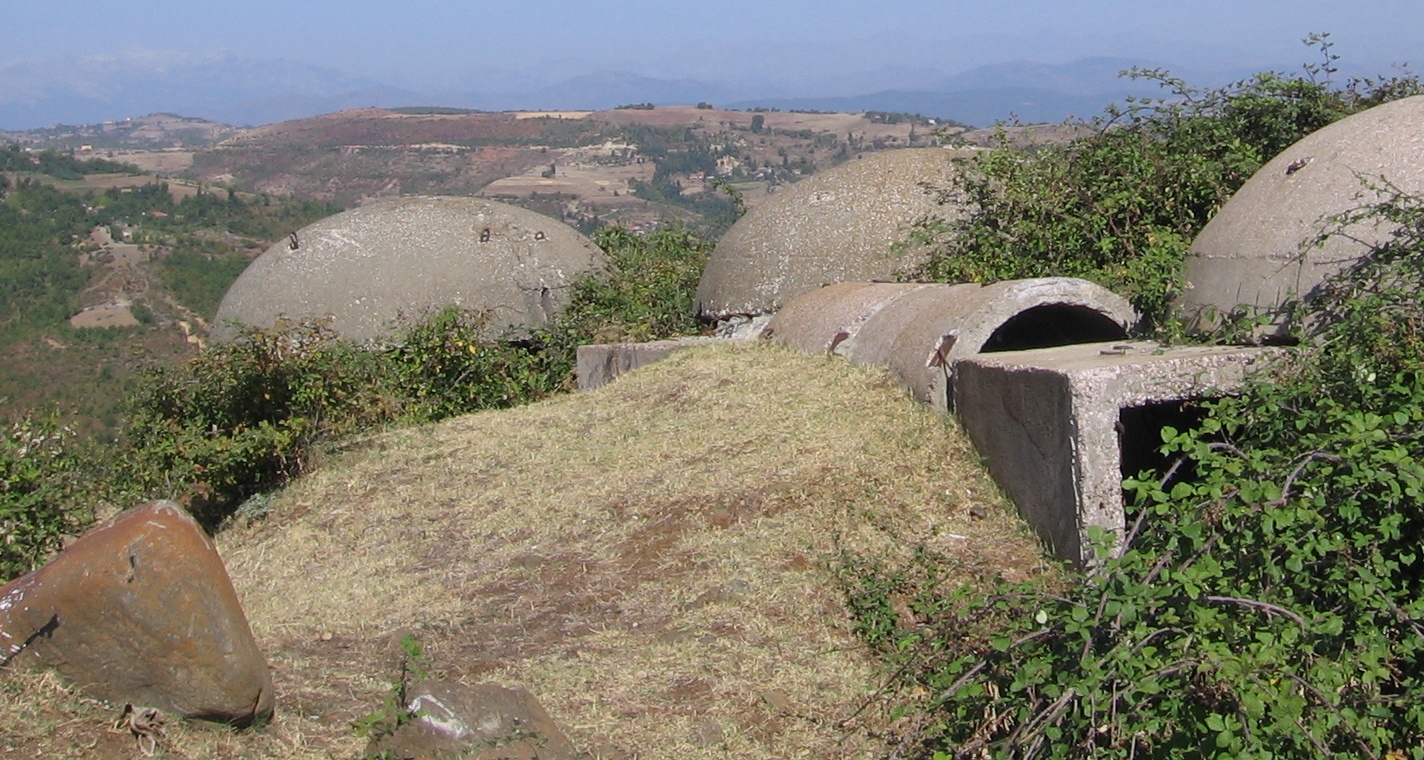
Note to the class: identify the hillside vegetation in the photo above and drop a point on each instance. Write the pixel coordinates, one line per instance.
(155, 259)
(624, 166)
(247, 416)
(1267, 601)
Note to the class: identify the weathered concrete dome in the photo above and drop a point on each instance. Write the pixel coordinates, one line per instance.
(835, 226)
(1256, 251)
(396, 260)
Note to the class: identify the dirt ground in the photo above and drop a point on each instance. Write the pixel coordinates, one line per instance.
(834, 123)
(178, 188)
(108, 315)
(553, 114)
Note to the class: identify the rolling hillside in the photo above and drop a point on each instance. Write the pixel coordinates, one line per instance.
(549, 546)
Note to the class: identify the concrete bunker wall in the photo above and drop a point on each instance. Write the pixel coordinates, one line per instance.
(1059, 426)
(1258, 251)
(918, 330)
(839, 225)
(1057, 401)
(599, 364)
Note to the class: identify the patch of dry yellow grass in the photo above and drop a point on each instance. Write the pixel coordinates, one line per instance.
(42, 717)
(654, 560)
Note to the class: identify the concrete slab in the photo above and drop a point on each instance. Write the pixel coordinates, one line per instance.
(600, 363)
(1051, 422)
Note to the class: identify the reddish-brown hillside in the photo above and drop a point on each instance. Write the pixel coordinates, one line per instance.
(373, 126)
(634, 166)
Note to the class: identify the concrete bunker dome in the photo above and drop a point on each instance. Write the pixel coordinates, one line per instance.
(372, 267)
(1256, 252)
(839, 225)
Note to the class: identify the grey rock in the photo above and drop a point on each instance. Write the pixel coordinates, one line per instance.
(483, 722)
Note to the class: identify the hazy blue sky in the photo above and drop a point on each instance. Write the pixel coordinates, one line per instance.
(429, 42)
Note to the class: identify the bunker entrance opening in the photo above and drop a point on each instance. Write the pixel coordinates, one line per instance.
(1139, 437)
(1052, 325)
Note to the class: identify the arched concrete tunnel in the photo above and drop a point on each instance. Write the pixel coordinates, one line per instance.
(918, 330)
(1053, 324)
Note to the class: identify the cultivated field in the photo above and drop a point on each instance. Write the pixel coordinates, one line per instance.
(156, 161)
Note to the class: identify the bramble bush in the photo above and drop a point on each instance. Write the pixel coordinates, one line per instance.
(447, 365)
(246, 416)
(647, 290)
(1271, 605)
(38, 482)
(243, 416)
(1121, 206)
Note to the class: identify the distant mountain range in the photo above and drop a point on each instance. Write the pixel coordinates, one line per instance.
(1022, 90)
(605, 90)
(235, 90)
(220, 88)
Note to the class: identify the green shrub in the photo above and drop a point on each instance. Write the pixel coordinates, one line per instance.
(1121, 206)
(200, 281)
(39, 504)
(1270, 605)
(445, 365)
(246, 416)
(647, 291)
(143, 313)
(242, 417)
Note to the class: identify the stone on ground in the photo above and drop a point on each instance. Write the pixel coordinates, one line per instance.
(140, 610)
(482, 722)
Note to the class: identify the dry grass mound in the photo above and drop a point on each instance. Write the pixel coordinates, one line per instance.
(654, 560)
